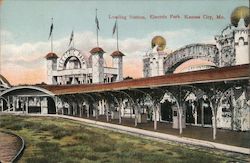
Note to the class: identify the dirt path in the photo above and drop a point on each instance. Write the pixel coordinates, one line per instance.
(9, 146)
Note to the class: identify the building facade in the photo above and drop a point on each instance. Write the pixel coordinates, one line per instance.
(75, 68)
(231, 48)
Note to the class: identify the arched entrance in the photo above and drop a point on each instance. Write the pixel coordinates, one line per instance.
(166, 111)
(51, 106)
(204, 112)
(28, 99)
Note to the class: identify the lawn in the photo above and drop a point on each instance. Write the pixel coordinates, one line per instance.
(59, 140)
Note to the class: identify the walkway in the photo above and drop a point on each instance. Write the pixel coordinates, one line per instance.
(10, 146)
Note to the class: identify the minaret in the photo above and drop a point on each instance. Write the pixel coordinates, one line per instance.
(240, 19)
(51, 66)
(117, 62)
(97, 65)
(153, 61)
(241, 38)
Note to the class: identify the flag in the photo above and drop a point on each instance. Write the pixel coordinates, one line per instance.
(114, 28)
(51, 29)
(71, 37)
(97, 23)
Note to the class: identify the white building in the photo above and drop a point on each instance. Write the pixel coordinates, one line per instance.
(232, 48)
(75, 68)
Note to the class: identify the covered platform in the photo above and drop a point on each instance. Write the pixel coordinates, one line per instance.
(217, 98)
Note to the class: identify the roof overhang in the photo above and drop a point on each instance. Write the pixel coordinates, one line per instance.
(27, 91)
(240, 72)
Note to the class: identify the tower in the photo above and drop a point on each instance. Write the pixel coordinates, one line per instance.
(51, 66)
(153, 60)
(241, 39)
(97, 65)
(240, 18)
(117, 62)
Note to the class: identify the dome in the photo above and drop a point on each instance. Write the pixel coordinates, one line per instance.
(117, 54)
(51, 55)
(97, 50)
(241, 12)
(160, 41)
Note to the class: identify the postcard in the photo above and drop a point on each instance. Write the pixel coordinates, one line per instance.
(124, 81)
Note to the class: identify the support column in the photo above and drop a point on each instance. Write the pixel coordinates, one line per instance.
(202, 114)
(80, 109)
(14, 103)
(196, 116)
(96, 110)
(155, 110)
(136, 115)
(107, 111)
(87, 110)
(27, 105)
(120, 113)
(8, 104)
(1, 104)
(56, 103)
(180, 119)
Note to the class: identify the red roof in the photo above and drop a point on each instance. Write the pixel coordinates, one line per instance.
(51, 55)
(203, 76)
(96, 50)
(117, 54)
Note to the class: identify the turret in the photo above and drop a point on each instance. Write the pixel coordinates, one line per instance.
(51, 66)
(241, 43)
(97, 65)
(153, 61)
(117, 62)
(240, 18)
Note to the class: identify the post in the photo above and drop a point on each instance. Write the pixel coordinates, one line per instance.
(195, 118)
(14, 103)
(202, 114)
(120, 113)
(136, 112)
(80, 108)
(87, 110)
(96, 111)
(180, 119)
(107, 111)
(8, 104)
(155, 120)
(27, 105)
(56, 103)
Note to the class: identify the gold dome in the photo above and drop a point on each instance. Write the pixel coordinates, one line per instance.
(160, 41)
(238, 13)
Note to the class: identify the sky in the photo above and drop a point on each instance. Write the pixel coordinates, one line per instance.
(25, 25)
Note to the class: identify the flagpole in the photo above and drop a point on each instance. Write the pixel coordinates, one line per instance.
(73, 45)
(117, 35)
(97, 42)
(51, 39)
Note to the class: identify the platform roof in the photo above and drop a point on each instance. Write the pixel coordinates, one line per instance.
(239, 72)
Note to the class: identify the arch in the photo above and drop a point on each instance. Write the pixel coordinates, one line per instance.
(241, 41)
(207, 52)
(193, 65)
(72, 52)
(67, 61)
(13, 89)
